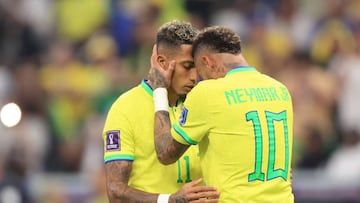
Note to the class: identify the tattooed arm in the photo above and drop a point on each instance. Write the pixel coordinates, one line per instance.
(168, 150)
(117, 176)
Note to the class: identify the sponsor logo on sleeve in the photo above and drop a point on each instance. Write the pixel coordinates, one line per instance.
(112, 140)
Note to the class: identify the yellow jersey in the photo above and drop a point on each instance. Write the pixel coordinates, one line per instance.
(243, 124)
(129, 135)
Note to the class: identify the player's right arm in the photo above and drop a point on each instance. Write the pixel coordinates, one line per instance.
(119, 157)
(117, 176)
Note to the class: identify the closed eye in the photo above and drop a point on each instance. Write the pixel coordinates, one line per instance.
(188, 64)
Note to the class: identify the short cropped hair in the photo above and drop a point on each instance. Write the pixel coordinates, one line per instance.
(176, 33)
(217, 39)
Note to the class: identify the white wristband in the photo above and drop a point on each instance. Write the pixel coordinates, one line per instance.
(163, 198)
(161, 102)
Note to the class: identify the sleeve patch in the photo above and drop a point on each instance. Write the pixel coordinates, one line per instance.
(113, 140)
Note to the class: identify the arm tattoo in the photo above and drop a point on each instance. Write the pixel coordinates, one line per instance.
(168, 150)
(117, 177)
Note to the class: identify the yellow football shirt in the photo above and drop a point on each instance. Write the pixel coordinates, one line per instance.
(129, 135)
(243, 124)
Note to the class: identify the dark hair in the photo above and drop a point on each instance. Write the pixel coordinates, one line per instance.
(176, 33)
(217, 39)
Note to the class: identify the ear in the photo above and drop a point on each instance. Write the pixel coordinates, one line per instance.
(162, 60)
(208, 61)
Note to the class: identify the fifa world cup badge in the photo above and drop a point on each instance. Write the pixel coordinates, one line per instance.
(112, 140)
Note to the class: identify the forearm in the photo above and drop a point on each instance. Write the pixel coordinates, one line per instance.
(117, 177)
(125, 194)
(168, 150)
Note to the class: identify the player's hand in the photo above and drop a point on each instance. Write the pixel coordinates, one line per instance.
(194, 193)
(160, 77)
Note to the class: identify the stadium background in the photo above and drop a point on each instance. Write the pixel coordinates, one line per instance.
(63, 62)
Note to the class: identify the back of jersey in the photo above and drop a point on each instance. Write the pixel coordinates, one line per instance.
(245, 137)
(251, 136)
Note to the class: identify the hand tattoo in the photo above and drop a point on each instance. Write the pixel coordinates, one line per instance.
(158, 78)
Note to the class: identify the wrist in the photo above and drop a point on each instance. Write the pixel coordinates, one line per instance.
(163, 198)
(161, 102)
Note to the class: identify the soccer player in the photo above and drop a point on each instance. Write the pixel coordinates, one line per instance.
(241, 119)
(133, 172)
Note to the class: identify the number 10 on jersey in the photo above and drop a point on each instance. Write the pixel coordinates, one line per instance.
(271, 173)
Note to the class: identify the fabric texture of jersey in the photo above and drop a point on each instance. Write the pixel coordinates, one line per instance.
(243, 124)
(129, 135)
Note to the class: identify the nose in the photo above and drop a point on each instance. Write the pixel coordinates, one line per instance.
(194, 76)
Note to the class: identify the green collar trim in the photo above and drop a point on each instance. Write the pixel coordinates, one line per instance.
(147, 87)
(241, 69)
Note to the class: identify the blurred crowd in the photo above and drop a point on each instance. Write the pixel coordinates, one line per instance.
(65, 61)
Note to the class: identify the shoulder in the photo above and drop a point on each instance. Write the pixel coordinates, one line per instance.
(204, 85)
(132, 95)
(128, 99)
(273, 80)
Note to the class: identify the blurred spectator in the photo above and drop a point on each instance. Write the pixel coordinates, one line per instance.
(314, 94)
(39, 16)
(276, 50)
(53, 192)
(92, 158)
(70, 86)
(332, 32)
(345, 66)
(240, 15)
(253, 46)
(170, 9)
(6, 141)
(13, 187)
(28, 92)
(6, 85)
(315, 155)
(102, 53)
(292, 19)
(344, 164)
(31, 134)
(17, 39)
(122, 24)
(77, 20)
(98, 188)
(144, 35)
(199, 11)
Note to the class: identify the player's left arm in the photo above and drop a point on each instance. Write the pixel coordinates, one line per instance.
(168, 150)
